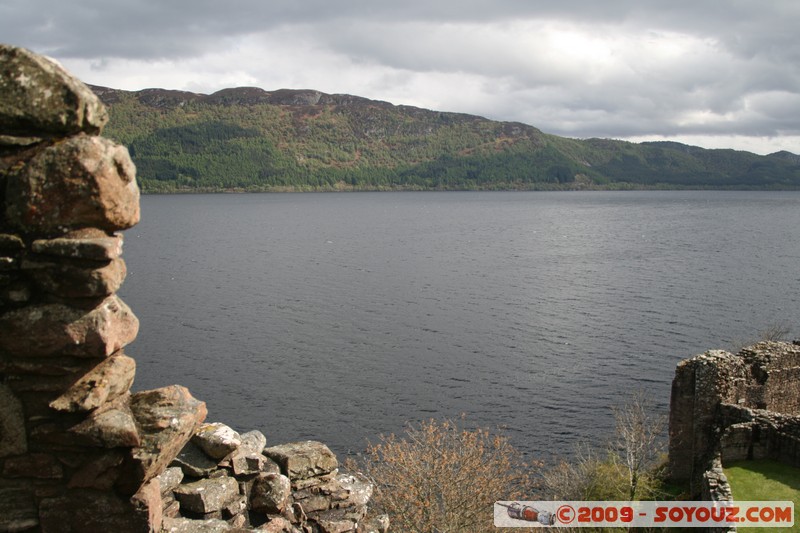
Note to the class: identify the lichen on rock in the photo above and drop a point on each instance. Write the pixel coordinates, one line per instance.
(78, 451)
(80, 182)
(40, 98)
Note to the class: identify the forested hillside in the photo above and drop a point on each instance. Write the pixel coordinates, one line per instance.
(250, 139)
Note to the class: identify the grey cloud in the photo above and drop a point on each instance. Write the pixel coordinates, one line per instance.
(740, 73)
(140, 28)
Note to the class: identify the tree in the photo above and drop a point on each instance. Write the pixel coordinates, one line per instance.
(638, 440)
(625, 469)
(442, 478)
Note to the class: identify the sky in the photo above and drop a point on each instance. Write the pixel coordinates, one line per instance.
(712, 73)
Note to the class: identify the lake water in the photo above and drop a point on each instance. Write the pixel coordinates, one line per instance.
(337, 317)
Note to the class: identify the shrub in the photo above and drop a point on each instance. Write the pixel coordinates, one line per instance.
(775, 332)
(778, 331)
(443, 478)
(628, 468)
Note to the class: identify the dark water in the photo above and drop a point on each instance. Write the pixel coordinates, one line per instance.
(341, 316)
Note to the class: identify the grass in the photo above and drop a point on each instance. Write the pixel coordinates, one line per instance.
(765, 480)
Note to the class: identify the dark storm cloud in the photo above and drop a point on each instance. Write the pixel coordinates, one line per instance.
(573, 67)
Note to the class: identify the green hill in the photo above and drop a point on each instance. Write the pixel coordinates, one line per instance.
(251, 139)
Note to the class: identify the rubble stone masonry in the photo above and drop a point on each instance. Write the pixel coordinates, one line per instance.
(727, 407)
(78, 451)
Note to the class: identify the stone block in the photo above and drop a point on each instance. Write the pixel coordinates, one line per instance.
(13, 440)
(39, 98)
(108, 380)
(9, 264)
(340, 492)
(335, 521)
(277, 525)
(303, 460)
(80, 182)
(238, 521)
(194, 462)
(244, 464)
(312, 482)
(186, 525)
(111, 426)
(169, 479)
(11, 243)
(253, 442)
(15, 293)
(217, 440)
(17, 510)
(147, 503)
(313, 502)
(41, 366)
(246, 486)
(77, 281)
(271, 493)
(171, 509)
(50, 385)
(207, 495)
(52, 329)
(92, 511)
(91, 244)
(99, 471)
(354, 491)
(33, 466)
(378, 524)
(167, 418)
(53, 434)
(235, 507)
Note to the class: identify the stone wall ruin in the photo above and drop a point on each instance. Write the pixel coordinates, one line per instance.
(727, 407)
(78, 451)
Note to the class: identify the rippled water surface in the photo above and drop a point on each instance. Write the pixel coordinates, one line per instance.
(338, 317)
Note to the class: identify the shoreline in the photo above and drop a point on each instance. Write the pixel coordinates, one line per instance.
(352, 189)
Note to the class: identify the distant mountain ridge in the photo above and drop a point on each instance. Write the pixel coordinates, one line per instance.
(250, 139)
(166, 98)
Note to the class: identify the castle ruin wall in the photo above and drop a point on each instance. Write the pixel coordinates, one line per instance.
(80, 452)
(734, 407)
